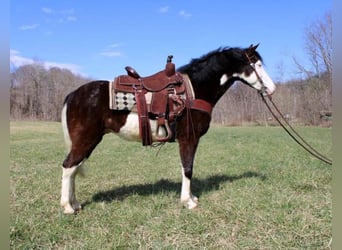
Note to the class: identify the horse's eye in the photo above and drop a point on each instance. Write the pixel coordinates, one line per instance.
(249, 70)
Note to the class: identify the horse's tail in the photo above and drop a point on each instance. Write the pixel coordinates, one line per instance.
(67, 139)
(64, 119)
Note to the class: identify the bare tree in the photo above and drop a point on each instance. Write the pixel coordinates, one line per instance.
(317, 88)
(38, 93)
(318, 45)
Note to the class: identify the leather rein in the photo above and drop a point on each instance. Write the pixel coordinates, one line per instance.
(290, 130)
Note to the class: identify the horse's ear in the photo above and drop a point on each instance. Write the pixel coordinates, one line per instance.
(250, 51)
(253, 47)
(256, 46)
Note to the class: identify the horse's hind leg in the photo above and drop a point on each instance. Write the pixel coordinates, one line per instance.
(72, 165)
(68, 197)
(80, 146)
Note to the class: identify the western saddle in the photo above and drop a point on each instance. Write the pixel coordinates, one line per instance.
(161, 97)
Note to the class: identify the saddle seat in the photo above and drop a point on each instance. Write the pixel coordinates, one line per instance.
(154, 83)
(159, 96)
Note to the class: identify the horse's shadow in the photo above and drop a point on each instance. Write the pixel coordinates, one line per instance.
(199, 186)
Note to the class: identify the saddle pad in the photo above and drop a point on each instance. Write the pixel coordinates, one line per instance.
(124, 101)
(120, 100)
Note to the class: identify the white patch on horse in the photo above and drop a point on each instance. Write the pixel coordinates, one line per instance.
(223, 79)
(253, 80)
(130, 131)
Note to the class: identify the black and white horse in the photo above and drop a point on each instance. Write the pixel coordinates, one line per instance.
(86, 116)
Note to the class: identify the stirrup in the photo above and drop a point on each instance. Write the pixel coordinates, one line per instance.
(168, 132)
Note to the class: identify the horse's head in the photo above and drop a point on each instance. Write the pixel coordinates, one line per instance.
(251, 71)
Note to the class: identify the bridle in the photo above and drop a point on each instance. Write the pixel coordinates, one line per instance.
(294, 135)
(262, 91)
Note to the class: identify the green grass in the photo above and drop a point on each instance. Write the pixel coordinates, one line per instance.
(257, 190)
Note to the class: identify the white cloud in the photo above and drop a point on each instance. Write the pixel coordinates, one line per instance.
(74, 68)
(114, 45)
(68, 11)
(164, 9)
(71, 18)
(111, 53)
(184, 14)
(66, 15)
(28, 26)
(111, 50)
(17, 60)
(47, 10)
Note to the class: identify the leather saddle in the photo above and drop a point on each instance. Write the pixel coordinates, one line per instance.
(158, 97)
(167, 78)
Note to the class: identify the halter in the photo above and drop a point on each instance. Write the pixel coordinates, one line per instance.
(263, 88)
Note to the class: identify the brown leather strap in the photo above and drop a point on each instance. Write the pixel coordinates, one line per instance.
(193, 103)
(201, 105)
(144, 122)
(190, 95)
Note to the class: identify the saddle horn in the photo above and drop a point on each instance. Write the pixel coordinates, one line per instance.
(170, 68)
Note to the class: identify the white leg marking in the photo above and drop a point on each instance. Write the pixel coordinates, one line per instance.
(68, 189)
(68, 196)
(187, 198)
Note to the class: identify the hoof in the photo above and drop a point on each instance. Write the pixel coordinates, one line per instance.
(76, 206)
(74, 209)
(69, 210)
(190, 203)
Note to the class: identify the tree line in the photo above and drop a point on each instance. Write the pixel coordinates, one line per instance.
(38, 93)
(303, 102)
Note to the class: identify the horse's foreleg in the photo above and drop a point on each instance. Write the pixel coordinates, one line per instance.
(187, 154)
(189, 200)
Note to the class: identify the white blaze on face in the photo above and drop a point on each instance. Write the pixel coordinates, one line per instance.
(254, 80)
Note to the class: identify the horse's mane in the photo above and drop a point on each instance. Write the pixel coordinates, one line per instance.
(217, 60)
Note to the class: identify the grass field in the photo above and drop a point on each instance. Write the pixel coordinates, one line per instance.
(257, 190)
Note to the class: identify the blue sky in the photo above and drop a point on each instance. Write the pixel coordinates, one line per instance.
(99, 38)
